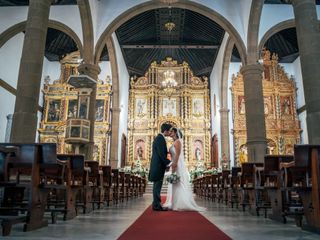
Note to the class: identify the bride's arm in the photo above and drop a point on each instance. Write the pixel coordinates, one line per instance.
(177, 146)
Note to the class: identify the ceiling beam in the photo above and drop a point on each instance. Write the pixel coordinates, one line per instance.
(171, 46)
(204, 71)
(135, 70)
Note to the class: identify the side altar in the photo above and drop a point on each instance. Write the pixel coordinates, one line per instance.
(282, 124)
(65, 119)
(169, 92)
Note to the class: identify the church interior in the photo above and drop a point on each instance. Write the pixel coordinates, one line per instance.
(85, 86)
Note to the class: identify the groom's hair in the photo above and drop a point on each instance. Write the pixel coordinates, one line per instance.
(165, 127)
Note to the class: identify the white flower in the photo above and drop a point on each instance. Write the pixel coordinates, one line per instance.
(173, 178)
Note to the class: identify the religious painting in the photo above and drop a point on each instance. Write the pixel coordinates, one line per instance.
(140, 150)
(285, 105)
(141, 107)
(75, 132)
(84, 107)
(169, 107)
(198, 150)
(241, 105)
(268, 105)
(197, 107)
(54, 111)
(99, 110)
(73, 108)
(85, 133)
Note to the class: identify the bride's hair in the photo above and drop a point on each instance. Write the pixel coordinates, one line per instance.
(178, 132)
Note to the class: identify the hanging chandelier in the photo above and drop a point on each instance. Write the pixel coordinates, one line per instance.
(169, 83)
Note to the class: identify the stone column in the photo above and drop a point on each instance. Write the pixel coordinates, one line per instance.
(114, 137)
(24, 125)
(92, 71)
(308, 34)
(255, 119)
(224, 121)
(8, 128)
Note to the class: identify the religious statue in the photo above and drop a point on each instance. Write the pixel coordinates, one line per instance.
(242, 106)
(198, 154)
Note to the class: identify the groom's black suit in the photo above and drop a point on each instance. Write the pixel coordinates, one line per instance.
(159, 163)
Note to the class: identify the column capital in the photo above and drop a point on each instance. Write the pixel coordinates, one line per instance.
(251, 69)
(115, 110)
(224, 110)
(91, 70)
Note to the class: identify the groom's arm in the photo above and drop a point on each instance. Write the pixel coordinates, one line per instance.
(162, 151)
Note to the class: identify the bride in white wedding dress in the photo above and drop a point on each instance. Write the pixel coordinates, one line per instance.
(179, 195)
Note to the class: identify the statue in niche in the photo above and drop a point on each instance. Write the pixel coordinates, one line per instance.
(242, 106)
(286, 106)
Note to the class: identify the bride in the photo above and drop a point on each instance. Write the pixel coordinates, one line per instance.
(179, 195)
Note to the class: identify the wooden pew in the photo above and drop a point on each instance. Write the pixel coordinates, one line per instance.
(279, 189)
(306, 180)
(6, 155)
(115, 185)
(249, 188)
(79, 175)
(95, 193)
(225, 185)
(55, 176)
(107, 184)
(23, 192)
(234, 184)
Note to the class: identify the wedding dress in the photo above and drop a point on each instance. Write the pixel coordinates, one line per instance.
(179, 195)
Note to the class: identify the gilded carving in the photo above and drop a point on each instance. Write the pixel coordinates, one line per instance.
(282, 124)
(62, 102)
(186, 107)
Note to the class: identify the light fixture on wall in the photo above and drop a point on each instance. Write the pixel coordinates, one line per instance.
(169, 83)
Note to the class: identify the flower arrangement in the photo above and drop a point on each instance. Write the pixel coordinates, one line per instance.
(173, 178)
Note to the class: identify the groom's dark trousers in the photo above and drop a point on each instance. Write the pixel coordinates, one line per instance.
(158, 166)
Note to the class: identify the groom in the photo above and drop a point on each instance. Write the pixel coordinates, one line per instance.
(159, 164)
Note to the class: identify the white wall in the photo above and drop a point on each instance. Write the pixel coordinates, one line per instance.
(215, 89)
(294, 70)
(273, 14)
(234, 68)
(7, 101)
(68, 15)
(10, 54)
(105, 67)
(123, 94)
(10, 16)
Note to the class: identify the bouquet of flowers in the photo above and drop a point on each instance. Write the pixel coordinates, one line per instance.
(173, 178)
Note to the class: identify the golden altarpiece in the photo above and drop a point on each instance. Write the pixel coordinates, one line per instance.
(186, 107)
(282, 124)
(64, 104)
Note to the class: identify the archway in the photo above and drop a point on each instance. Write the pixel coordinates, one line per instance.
(19, 27)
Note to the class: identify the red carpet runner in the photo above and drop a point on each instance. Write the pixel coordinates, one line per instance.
(172, 225)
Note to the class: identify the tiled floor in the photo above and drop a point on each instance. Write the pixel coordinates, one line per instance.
(110, 222)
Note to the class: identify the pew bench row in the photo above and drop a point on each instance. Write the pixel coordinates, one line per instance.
(283, 186)
(35, 180)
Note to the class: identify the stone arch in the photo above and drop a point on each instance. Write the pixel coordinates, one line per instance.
(253, 31)
(87, 31)
(209, 13)
(275, 29)
(19, 27)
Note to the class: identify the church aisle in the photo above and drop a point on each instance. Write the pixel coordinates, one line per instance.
(111, 222)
